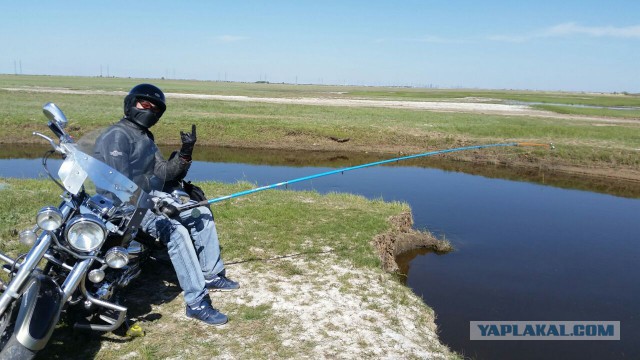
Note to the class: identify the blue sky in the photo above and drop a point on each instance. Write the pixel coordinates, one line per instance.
(541, 45)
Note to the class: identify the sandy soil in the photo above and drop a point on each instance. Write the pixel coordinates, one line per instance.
(328, 309)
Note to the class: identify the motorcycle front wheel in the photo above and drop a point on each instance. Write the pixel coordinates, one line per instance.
(14, 350)
(11, 347)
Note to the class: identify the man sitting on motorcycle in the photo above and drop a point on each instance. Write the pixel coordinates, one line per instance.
(192, 242)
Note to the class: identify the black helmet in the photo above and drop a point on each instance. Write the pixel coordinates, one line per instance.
(144, 118)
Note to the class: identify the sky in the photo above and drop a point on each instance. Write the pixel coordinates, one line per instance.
(564, 45)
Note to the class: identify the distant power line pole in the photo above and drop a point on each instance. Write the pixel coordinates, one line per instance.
(15, 68)
(20, 67)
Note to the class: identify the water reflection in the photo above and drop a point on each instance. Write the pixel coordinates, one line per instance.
(328, 159)
(404, 261)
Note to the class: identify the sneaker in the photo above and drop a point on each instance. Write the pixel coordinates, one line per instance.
(221, 283)
(205, 312)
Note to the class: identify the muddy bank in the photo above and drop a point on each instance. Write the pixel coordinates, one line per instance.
(402, 238)
(595, 170)
(509, 159)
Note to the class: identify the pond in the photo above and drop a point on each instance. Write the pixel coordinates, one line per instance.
(529, 245)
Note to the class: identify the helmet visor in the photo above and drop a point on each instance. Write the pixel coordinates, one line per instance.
(144, 104)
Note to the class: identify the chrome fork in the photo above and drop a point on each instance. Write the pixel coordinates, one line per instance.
(32, 259)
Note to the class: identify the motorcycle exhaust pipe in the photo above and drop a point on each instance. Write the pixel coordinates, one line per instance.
(113, 323)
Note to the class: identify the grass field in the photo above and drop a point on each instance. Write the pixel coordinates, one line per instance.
(311, 284)
(582, 143)
(605, 112)
(287, 90)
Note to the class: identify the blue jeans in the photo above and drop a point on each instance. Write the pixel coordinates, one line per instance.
(193, 247)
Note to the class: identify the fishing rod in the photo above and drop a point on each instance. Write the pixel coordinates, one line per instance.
(332, 172)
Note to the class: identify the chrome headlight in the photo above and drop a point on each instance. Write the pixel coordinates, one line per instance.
(96, 275)
(49, 218)
(117, 257)
(27, 237)
(86, 232)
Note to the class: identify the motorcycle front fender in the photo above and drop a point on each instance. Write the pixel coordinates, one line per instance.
(39, 312)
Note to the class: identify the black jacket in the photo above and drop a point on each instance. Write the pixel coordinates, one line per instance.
(131, 150)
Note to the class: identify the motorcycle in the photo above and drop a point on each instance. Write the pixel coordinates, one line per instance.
(82, 253)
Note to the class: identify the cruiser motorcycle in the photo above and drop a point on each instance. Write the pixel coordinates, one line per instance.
(82, 252)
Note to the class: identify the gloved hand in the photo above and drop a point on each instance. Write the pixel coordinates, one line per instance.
(188, 142)
(164, 207)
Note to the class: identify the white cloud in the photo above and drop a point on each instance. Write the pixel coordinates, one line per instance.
(561, 30)
(432, 39)
(572, 29)
(598, 31)
(511, 38)
(230, 38)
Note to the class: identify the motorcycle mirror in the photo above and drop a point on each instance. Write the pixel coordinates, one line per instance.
(54, 114)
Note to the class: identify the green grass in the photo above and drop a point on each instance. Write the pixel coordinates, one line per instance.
(291, 127)
(286, 90)
(255, 313)
(616, 113)
(269, 224)
(309, 222)
(19, 202)
(183, 86)
(555, 97)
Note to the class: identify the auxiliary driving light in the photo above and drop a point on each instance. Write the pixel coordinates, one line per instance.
(96, 275)
(86, 232)
(49, 218)
(117, 257)
(27, 237)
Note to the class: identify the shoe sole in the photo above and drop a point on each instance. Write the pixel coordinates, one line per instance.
(206, 323)
(222, 290)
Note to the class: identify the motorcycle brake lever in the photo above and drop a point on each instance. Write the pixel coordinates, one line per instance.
(55, 146)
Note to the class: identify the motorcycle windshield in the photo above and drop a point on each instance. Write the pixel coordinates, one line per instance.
(96, 164)
(82, 171)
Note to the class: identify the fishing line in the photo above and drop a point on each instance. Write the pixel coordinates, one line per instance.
(340, 171)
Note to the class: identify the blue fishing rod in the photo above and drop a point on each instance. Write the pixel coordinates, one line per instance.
(340, 171)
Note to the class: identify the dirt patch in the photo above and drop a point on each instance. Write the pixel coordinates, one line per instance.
(327, 309)
(402, 238)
